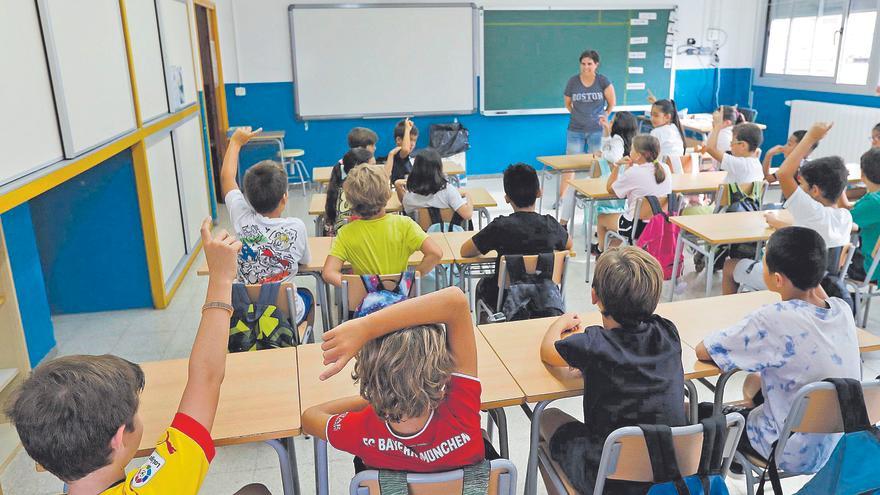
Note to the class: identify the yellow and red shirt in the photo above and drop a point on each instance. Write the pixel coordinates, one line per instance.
(178, 465)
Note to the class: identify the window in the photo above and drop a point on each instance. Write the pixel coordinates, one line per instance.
(823, 41)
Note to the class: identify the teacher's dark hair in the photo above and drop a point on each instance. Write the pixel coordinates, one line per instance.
(591, 54)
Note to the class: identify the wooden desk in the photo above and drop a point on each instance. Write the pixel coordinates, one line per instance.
(452, 169)
(321, 175)
(556, 164)
(704, 233)
(259, 402)
(455, 241)
(594, 189)
(702, 123)
(498, 390)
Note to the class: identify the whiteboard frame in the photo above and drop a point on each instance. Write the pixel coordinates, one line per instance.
(166, 54)
(67, 144)
(476, 25)
(148, 120)
(563, 110)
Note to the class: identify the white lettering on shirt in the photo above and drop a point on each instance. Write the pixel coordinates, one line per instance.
(439, 451)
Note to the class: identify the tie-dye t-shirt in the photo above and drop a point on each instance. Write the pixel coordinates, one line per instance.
(791, 344)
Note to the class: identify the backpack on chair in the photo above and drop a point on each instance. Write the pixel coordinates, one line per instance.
(709, 479)
(531, 295)
(660, 235)
(260, 325)
(379, 297)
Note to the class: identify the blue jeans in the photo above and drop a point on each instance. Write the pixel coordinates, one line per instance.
(575, 141)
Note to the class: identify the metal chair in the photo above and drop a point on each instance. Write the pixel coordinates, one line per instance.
(502, 481)
(815, 409)
(625, 456)
(353, 291)
(296, 169)
(560, 266)
(750, 114)
(722, 195)
(865, 290)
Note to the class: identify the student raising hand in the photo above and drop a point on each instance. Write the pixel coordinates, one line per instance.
(244, 134)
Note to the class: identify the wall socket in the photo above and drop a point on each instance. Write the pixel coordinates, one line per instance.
(240, 91)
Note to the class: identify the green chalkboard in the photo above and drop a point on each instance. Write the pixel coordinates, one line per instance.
(529, 55)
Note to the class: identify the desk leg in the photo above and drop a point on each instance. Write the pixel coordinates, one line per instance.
(710, 269)
(501, 420)
(589, 215)
(481, 213)
(535, 437)
(758, 250)
(322, 481)
(559, 180)
(693, 402)
(676, 261)
(287, 458)
(321, 293)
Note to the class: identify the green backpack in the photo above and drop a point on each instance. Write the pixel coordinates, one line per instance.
(260, 325)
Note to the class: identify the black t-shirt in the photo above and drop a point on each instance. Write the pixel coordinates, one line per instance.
(401, 167)
(521, 232)
(631, 375)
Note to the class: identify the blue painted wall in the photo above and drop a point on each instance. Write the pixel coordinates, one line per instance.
(90, 240)
(770, 103)
(495, 141)
(30, 288)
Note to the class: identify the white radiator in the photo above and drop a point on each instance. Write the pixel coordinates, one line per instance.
(851, 134)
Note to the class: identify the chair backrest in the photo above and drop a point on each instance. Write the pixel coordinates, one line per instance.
(643, 206)
(423, 217)
(815, 409)
(560, 260)
(625, 453)
(354, 292)
(284, 302)
(502, 481)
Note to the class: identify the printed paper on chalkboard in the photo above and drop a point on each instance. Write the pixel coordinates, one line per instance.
(667, 63)
(636, 54)
(636, 70)
(651, 16)
(668, 52)
(670, 28)
(638, 22)
(635, 86)
(640, 40)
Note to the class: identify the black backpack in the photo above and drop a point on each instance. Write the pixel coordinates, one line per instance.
(455, 221)
(260, 325)
(834, 281)
(531, 295)
(739, 201)
(448, 139)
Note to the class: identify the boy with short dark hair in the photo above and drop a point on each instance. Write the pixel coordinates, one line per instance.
(803, 339)
(866, 214)
(524, 232)
(273, 246)
(741, 163)
(77, 416)
(813, 201)
(631, 366)
(399, 162)
(361, 137)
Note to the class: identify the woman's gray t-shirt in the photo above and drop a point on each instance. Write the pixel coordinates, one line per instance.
(587, 103)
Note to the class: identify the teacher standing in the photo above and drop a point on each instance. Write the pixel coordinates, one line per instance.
(589, 96)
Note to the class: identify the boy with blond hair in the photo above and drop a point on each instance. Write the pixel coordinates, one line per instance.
(631, 365)
(376, 243)
(77, 416)
(419, 403)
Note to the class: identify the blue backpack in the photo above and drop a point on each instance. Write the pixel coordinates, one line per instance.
(378, 297)
(852, 468)
(667, 476)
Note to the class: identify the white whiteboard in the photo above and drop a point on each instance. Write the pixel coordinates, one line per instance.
(89, 67)
(191, 169)
(166, 202)
(143, 30)
(372, 60)
(177, 47)
(28, 124)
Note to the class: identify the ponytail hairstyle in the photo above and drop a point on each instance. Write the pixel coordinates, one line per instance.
(626, 126)
(649, 147)
(667, 107)
(732, 114)
(354, 157)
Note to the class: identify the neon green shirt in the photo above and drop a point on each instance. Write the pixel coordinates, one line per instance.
(380, 246)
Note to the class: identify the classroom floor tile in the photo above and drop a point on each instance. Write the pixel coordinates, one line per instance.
(148, 335)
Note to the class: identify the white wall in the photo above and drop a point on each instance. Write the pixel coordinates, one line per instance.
(255, 36)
